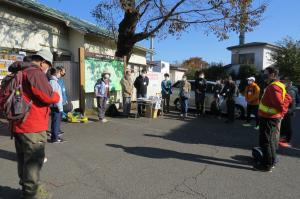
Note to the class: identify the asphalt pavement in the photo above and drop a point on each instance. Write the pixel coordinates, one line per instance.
(165, 158)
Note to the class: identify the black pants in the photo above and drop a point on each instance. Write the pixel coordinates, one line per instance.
(286, 127)
(166, 105)
(200, 102)
(268, 130)
(141, 107)
(252, 109)
(230, 109)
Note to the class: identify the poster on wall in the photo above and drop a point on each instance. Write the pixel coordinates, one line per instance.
(4, 64)
(94, 68)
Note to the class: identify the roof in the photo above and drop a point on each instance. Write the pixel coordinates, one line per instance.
(68, 20)
(253, 44)
(172, 67)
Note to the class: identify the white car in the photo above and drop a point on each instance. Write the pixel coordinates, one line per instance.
(240, 102)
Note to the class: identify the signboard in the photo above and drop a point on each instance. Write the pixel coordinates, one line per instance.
(4, 64)
(94, 68)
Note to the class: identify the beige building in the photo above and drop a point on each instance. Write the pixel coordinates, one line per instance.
(27, 26)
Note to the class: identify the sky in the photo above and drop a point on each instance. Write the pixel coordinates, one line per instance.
(281, 19)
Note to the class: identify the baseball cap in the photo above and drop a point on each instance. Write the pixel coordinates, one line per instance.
(46, 55)
(251, 78)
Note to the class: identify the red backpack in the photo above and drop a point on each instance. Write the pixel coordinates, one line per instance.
(12, 103)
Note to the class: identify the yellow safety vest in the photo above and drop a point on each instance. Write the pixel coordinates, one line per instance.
(271, 110)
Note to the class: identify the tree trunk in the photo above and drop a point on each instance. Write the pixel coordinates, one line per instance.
(126, 40)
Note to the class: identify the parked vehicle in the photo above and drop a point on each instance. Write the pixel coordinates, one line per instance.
(240, 101)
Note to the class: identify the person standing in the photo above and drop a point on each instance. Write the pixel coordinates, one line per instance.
(102, 94)
(229, 93)
(286, 130)
(127, 90)
(200, 90)
(215, 106)
(166, 91)
(57, 108)
(30, 135)
(252, 93)
(184, 94)
(273, 106)
(141, 83)
(61, 82)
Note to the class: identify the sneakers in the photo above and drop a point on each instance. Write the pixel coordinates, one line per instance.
(247, 125)
(103, 120)
(285, 144)
(256, 128)
(58, 141)
(262, 168)
(45, 160)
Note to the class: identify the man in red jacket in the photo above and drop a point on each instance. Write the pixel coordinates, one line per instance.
(273, 106)
(30, 135)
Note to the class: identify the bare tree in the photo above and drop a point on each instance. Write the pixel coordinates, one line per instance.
(131, 21)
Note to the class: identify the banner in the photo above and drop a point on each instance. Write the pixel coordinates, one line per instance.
(4, 64)
(94, 68)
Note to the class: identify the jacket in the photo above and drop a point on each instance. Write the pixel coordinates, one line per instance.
(252, 93)
(56, 87)
(36, 88)
(141, 83)
(200, 85)
(61, 82)
(166, 87)
(185, 89)
(229, 91)
(100, 88)
(127, 87)
(273, 98)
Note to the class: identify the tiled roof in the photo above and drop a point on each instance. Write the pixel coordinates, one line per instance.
(253, 44)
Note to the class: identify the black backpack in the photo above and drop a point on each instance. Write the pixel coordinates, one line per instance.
(112, 111)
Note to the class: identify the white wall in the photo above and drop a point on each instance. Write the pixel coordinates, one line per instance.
(268, 61)
(23, 30)
(161, 67)
(176, 75)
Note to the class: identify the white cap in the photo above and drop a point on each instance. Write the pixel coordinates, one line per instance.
(46, 55)
(251, 78)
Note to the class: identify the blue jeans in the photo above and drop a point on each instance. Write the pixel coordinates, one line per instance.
(55, 123)
(126, 105)
(184, 105)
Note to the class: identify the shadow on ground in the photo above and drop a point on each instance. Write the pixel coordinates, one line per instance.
(9, 193)
(211, 131)
(157, 153)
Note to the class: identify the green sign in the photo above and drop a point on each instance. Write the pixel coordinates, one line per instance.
(94, 68)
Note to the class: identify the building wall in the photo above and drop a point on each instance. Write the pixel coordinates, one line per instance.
(268, 61)
(176, 75)
(258, 55)
(21, 30)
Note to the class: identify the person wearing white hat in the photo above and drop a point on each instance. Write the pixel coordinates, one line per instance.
(102, 94)
(252, 93)
(30, 134)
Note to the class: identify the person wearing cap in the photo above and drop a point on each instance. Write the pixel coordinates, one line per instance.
(252, 93)
(102, 94)
(272, 108)
(141, 83)
(127, 90)
(30, 135)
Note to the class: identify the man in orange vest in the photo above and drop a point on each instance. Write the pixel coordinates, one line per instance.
(272, 108)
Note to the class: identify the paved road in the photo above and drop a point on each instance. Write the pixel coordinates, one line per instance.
(159, 159)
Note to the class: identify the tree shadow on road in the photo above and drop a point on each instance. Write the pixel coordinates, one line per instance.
(8, 155)
(157, 153)
(9, 193)
(215, 132)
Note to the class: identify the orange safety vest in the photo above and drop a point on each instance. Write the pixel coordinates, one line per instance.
(271, 110)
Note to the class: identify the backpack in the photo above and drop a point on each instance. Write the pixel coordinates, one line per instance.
(12, 102)
(257, 155)
(112, 111)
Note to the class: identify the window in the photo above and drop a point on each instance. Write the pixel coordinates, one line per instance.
(246, 58)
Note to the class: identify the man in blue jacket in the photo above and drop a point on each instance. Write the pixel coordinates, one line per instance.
(166, 91)
(102, 95)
